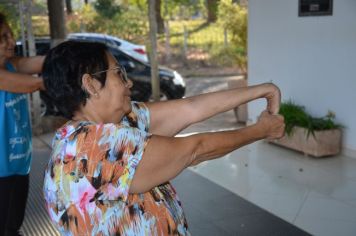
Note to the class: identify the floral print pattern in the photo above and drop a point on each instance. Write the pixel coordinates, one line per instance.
(87, 181)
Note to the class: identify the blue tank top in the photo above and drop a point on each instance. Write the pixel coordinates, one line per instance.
(15, 133)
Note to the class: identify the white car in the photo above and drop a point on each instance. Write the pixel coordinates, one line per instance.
(136, 51)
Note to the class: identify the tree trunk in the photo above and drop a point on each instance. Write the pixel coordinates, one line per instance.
(153, 55)
(57, 24)
(159, 19)
(212, 8)
(69, 7)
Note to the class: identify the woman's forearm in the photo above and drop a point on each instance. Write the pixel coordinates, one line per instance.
(225, 142)
(28, 65)
(19, 83)
(170, 117)
(207, 105)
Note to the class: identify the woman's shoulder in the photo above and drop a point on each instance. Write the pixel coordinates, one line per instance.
(74, 129)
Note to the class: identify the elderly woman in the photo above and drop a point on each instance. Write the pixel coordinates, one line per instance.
(111, 164)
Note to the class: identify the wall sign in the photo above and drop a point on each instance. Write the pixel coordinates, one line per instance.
(315, 7)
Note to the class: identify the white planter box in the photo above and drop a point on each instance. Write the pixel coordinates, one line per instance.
(324, 143)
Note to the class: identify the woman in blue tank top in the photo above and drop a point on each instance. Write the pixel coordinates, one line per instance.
(16, 81)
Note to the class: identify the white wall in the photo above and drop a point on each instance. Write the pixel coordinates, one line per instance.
(312, 59)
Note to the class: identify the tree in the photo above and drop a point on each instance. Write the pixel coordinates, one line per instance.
(212, 8)
(153, 54)
(69, 7)
(56, 21)
(159, 18)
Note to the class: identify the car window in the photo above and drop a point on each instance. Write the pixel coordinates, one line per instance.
(110, 42)
(117, 43)
(78, 37)
(42, 47)
(98, 39)
(88, 38)
(126, 61)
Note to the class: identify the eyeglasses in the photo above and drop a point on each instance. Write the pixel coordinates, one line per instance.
(120, 70)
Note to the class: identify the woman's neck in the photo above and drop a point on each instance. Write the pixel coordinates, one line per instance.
(79, 117)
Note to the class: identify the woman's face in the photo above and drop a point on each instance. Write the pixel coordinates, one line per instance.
(114, 97)
(7, 42)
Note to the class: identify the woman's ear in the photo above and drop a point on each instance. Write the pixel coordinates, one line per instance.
(89, 85)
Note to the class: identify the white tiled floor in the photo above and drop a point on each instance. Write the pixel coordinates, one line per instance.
(317, 195)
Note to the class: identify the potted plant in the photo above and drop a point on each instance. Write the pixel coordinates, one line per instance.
(313, 136)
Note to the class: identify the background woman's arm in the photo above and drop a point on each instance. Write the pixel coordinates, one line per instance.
(28, 65)
(22, 80)
(170, 117)
(19, 83)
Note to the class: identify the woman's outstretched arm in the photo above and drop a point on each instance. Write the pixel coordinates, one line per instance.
(170, 117)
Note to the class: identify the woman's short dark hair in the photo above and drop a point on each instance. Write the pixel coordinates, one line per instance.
(63, 69)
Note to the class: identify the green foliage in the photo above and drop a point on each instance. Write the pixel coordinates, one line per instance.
(295, 115)
(84, 19)
(233, 17)
(39, 7)
(205, 42)
(140, 4)
(200, 34)
(40, 25)
(12, 17)
(127, 24)
(107, 8)
(39, 18)
(224, 55)
(181, 9)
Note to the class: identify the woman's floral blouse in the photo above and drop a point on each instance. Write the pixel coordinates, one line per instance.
(87, 181)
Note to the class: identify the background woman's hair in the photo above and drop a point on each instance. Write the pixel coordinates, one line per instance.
(63, 69)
